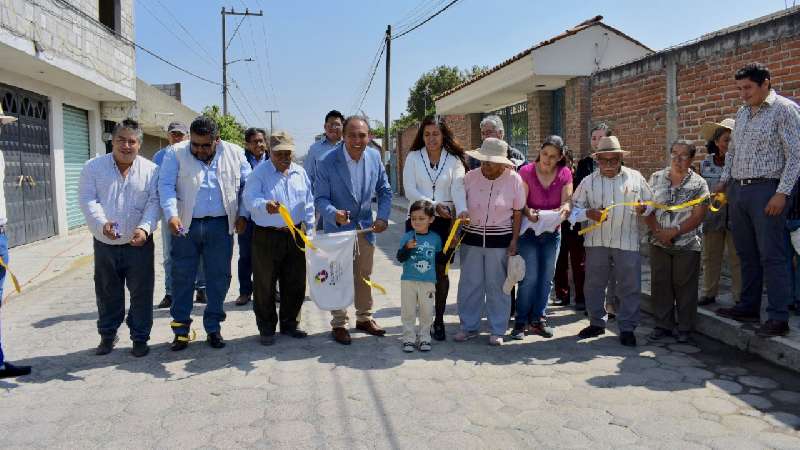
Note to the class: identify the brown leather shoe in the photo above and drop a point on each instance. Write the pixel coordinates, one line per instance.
(773, 328)
(341, 335)
(371, 327)
(242, 300)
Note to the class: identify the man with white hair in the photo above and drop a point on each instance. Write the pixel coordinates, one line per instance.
(492, 127)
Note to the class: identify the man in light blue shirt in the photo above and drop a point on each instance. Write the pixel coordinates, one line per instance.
(333, 135)
(199, 185)
(277, 253)
(119, 199)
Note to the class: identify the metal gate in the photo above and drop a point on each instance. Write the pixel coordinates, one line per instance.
(76, 153)
(28, 175)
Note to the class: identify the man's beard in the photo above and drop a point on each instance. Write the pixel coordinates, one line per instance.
(205, 159)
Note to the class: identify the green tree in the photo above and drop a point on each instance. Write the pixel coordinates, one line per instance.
(229, 129)
(430, 84)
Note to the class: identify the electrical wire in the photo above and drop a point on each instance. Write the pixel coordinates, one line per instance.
(172, 32)
(453, 2)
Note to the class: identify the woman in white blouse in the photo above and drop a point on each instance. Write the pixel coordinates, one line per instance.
(434, 171)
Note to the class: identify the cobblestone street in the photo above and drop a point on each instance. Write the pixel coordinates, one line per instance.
(315, 393)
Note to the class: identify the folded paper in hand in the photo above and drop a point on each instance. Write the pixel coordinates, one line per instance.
(548, 222)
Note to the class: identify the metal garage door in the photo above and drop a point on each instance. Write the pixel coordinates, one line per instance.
(76, 153)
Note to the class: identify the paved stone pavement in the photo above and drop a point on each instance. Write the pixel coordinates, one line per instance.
(314, 393)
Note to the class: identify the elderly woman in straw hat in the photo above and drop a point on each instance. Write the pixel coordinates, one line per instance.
(717, 236)
(7, 370)
(612, 247)
(495, 199)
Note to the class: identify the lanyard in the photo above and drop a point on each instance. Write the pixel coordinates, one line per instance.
(439, 168)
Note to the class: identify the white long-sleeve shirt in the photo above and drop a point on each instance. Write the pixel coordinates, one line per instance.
(130, 201)
(441, 185)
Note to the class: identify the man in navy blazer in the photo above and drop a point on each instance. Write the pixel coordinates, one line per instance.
(347, 179)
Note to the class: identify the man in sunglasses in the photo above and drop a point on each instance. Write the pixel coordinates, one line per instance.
(200, 183)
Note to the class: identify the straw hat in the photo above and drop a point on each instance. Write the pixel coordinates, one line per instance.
(281, 141)
(709, 128)
(4, 119)
(492, 150)
(609, 144)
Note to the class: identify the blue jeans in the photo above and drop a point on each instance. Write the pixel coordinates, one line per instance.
(116, 266)
(761, 245)
(166, 250)
(540, 254)
(246, 260)
(483, 271)
(4, 255)
(208, 241)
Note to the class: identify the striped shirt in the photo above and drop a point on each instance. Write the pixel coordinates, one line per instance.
(691, 187)
(621, 229)
(491, 205)
(766, 144)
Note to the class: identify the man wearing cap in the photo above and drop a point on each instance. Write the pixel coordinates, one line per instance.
(119, 199)
(277, 252)
(717, 235)
(199, 184)
(612, 247)
(255, 146)
(7, 370)
(761, 169)
(177, 132)
(347, 178)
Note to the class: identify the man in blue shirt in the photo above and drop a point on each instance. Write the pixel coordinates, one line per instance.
(334, 121)
(278, 253)
(256, 152)
(199, 185)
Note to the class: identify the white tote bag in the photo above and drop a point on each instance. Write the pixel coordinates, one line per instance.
(329, 270)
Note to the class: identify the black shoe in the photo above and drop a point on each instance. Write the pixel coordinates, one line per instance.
(591, 331)
(140, 349)
(267, 339)
(612, 316)
(706, 301)
(180, 342)
(200, 297)
(773, 328)
(627, 338)
(739, 316)
(10, 371)
(166, 302)
(794, 307)
(438, 332)
(106, 345)
(296, 333)
(215, 340)
(561, 302)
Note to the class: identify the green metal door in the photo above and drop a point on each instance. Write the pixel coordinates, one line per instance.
(76, 153)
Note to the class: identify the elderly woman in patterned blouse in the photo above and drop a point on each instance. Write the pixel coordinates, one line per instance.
(675, 243)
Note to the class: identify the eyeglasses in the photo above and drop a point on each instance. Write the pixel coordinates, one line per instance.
(208, 146)
(682, 158)
(608, 162)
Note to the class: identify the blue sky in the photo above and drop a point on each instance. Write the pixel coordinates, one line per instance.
(313, 56)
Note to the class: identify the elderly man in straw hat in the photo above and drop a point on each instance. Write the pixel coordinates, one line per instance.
(717, 235)
(7, 370)
(614, 244)
(495, 198)
(277, 253)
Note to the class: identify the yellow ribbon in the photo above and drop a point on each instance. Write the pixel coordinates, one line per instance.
(375, 285)
(287, 218)
(449, 242)
(14, 280)
(192, 333)
(718, 197)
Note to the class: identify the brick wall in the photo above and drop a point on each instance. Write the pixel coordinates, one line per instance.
(635, 110)
(577, 106)
(540, 119)
(404, 140)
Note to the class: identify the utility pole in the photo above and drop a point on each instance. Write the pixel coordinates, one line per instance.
(225, 45)
(386, 147)
(271, 112)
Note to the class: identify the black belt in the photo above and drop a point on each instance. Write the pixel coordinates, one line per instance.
(749, 181)
(207, 218)
(277, 229)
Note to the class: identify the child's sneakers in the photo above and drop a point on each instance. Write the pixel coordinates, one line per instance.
(424, 346)
(409, 347)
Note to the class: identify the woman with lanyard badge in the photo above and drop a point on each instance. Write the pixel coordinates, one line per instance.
(434, 171)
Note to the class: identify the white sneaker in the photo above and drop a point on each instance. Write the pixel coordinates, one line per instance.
(424, 346)
(495, 340)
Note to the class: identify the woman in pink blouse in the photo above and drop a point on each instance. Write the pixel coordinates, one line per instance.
(549, 188)
(495, 198)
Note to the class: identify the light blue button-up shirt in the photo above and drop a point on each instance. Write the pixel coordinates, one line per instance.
(357, 172)
(292, 189)
(209, 201)
(316, 152)
(130, 201)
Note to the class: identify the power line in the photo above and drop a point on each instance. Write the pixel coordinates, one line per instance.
(362, 87)
(426, 9)
(267, 59)
(172, 32)
(453, 2)
(188, 33)
(371, 78)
